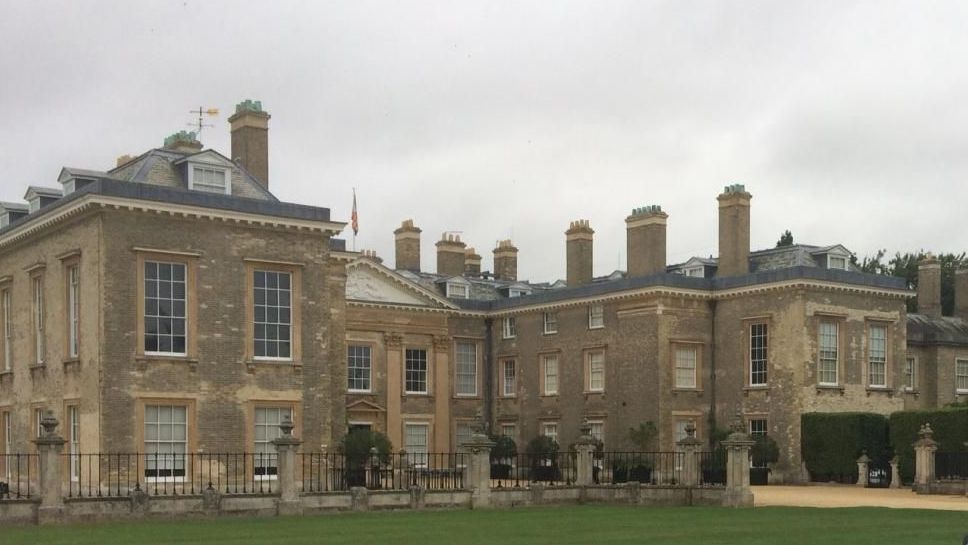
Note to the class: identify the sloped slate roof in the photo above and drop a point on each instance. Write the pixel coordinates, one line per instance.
(923, 330)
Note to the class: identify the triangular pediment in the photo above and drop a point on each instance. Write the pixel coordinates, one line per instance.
(370, 282)
(364, 406)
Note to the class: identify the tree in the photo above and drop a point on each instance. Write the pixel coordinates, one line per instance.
(906, 266)
(786, 239)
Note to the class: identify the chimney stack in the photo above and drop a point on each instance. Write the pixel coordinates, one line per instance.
(371, 255)
(578, 243)
(122, 159)
(450, 255)
(505, 261)
(929, 286)
(184, 142)
(734, 231)
(250, 139)
(646, 241)
(472, 263)
(407, 238)
(961, 294)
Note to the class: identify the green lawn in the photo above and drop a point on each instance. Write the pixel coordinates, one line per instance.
(597, 525)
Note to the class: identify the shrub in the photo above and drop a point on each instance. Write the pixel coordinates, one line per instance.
(356, 447)
(764, 451)
(504, 448)
(643, 437)
(543, 452)
(950, 427)
(832, 442)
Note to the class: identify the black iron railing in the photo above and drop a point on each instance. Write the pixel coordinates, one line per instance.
(643, 467)
(328, 472)
(951, 466)
(18, 476)
(526, 469)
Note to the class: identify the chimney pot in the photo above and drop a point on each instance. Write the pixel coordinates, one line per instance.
(472, 262)
(184, 142)
(407, 246)
(450, 255)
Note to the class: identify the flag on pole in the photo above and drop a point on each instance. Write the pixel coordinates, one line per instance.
(354, 220)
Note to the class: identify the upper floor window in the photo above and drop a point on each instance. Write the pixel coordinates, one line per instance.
(509, 379)
(456, 290)
(961, 376)
(686, 361)
(549, 372)
(518, 292)
(272, 297)
(7, 330)
(759, 334)
(910, 374)
(595, 372)
(165, 315)
(596, 316)
(415, 371)
(510, 328)
(210, 178)
(550, 323)
(40, 341)
(694, 272)
(358, 368)
(877, 356)
(828, 365)
(73, 309)
(466, 369)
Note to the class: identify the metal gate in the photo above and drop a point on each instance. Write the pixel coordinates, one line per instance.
(879, 473)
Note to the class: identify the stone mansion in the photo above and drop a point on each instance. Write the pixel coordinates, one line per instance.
(172, 304)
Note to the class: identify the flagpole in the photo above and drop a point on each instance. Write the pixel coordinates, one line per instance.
(354, 220)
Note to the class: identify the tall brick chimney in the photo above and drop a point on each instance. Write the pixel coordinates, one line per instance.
(407, 239)
(250, 139)
(578, 250)
(505, 260)
(929, 286)
(734, 231)
(371, 255)
(472, 262)
(450, 255)
(961, 294)
(645, 235)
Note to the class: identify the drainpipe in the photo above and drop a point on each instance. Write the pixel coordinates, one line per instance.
(488, 398)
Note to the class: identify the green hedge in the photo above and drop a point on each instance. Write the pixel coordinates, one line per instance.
(832, 442)
(950, 431)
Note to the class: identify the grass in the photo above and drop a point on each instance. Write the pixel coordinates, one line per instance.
(599, 525)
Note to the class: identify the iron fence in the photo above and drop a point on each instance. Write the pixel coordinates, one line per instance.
(331, 471)
(525, 469)
(170, 474)
(18, 476)
(712, 468)
(643, 467)
(951, 466)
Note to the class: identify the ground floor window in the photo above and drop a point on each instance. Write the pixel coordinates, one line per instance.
(416, 441)
(166, 442)
(757, 427)
(266, 461)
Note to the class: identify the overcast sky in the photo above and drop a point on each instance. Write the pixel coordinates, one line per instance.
(848, 122)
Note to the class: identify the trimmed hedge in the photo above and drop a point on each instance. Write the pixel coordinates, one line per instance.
(950, 427)
(832, 442)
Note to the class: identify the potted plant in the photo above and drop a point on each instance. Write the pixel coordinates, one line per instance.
(637, 467)
(502, 455)
(763, 453)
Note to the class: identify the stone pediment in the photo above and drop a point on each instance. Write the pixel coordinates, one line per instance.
(370, 282)
(364, 406)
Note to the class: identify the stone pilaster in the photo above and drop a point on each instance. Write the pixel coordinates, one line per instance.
(689, 448)
(924, 449)
(478, 478)
(738, 445)
(50, 445)
(585, 459)
(287, 447)
(895, 473)
(863, 465)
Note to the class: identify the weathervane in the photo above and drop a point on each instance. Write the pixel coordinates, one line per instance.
(200, 123)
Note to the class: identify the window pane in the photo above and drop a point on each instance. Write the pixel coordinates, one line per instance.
(271, 313)
(466, 368)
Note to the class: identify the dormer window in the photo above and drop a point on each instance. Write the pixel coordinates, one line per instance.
(457, 291)
(696, 272)
(209, 178)
(517, 292)
(836, 262)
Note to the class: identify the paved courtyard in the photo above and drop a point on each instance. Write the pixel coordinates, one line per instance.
(851, 496)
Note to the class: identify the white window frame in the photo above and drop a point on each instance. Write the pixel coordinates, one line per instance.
(509, 327)
(40, 341)
(550, 323)
(597, 429)
(73, 441)
(38, 418)
(831, 258)
(172, 299)
(174, 455)
(826, 356)
(206, 187)
(759, 355)
(278, 307)
(7, 330)
(7, 441)
(518, 292)
(685, 377)
(595, 359)
(425, 371)
(463, 431)
(267, 453)
(549, 378)
(507, 427)
(509, 386)
(73, 309)
(550, 429)
(910, 374)
(694, 272)
(457, 290)
(877, 356)
(366, 353)
(596, 316)
(961, 375)
(461, 375)
(417, 455)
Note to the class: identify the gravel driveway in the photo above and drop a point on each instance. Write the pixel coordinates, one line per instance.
(851, 496)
